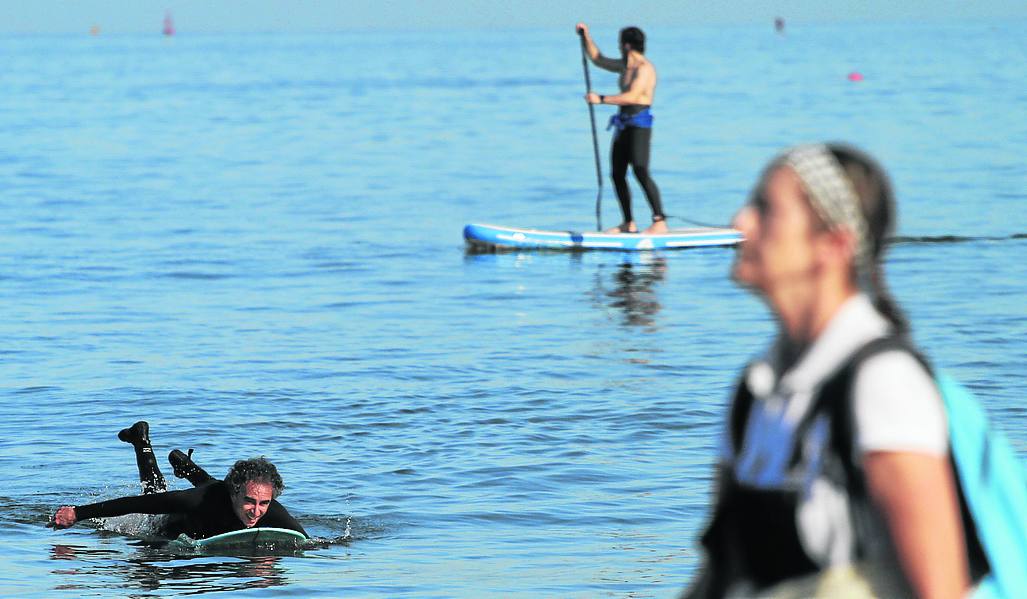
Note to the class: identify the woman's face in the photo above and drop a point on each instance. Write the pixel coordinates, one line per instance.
(778, 257)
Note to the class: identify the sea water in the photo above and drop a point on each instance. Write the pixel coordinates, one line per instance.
(253, 243)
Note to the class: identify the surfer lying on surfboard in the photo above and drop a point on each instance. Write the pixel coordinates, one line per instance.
(245, 499)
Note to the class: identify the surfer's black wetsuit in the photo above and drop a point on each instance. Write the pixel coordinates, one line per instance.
(201, 512)
(631, 146)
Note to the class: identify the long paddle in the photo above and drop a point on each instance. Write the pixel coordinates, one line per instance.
(595, 137)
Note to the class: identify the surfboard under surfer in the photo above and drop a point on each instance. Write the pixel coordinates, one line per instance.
(633, 122)
(245, 499)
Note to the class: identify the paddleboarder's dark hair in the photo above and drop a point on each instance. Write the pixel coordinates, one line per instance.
(633, 37)
(255, 470)
(877, 202)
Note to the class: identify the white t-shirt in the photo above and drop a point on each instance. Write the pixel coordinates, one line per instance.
(896, 408)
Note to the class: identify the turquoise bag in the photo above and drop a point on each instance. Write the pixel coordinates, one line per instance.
(994, 487)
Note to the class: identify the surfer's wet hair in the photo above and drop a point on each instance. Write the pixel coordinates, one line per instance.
(633, 37)
(258, 470)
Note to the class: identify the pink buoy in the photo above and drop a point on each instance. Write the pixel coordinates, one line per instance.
(169, 25)
(855, 76)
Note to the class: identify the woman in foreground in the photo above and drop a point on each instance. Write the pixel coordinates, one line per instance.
(834, 477)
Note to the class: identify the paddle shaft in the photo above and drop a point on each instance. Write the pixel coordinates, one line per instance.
(595, 136)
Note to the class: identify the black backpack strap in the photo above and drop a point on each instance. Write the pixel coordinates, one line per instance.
(976, 558)
(835, 395)
(834, 399)
(741, 405)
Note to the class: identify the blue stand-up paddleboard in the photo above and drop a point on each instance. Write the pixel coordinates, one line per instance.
(247, 539)
(498, 238)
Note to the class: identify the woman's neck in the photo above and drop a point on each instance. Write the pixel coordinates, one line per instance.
(807, 322)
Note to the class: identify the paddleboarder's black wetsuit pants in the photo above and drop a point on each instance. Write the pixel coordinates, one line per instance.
(631, 146)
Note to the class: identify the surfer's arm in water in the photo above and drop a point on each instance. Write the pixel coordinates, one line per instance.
(603, 62)
(171, 502)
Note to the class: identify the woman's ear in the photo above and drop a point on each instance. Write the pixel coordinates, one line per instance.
(838, 247)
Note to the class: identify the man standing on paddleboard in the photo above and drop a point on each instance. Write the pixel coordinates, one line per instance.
(245, 499)
(633, 122)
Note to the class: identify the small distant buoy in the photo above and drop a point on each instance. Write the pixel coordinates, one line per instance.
(94, 30)
(169, 25)
(855, 76)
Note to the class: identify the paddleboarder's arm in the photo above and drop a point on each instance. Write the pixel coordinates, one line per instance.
(279, 517)
(157, 503)
(609, 64)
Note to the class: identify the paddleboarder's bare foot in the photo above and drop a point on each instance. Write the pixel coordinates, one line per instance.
(657, 228)
(628, 227)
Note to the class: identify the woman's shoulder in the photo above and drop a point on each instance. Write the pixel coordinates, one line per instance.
(897, 406)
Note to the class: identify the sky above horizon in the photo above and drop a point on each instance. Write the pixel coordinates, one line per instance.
(210, 16)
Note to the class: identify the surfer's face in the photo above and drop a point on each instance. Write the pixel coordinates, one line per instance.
(251, 502)
(778, 256)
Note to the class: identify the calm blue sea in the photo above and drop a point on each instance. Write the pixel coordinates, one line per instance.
(254, 243)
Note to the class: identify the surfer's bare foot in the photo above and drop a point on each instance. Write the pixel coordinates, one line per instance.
(628, 227)
(658, 227)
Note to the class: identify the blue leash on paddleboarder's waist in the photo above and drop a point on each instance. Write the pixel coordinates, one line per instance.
(642, 119)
